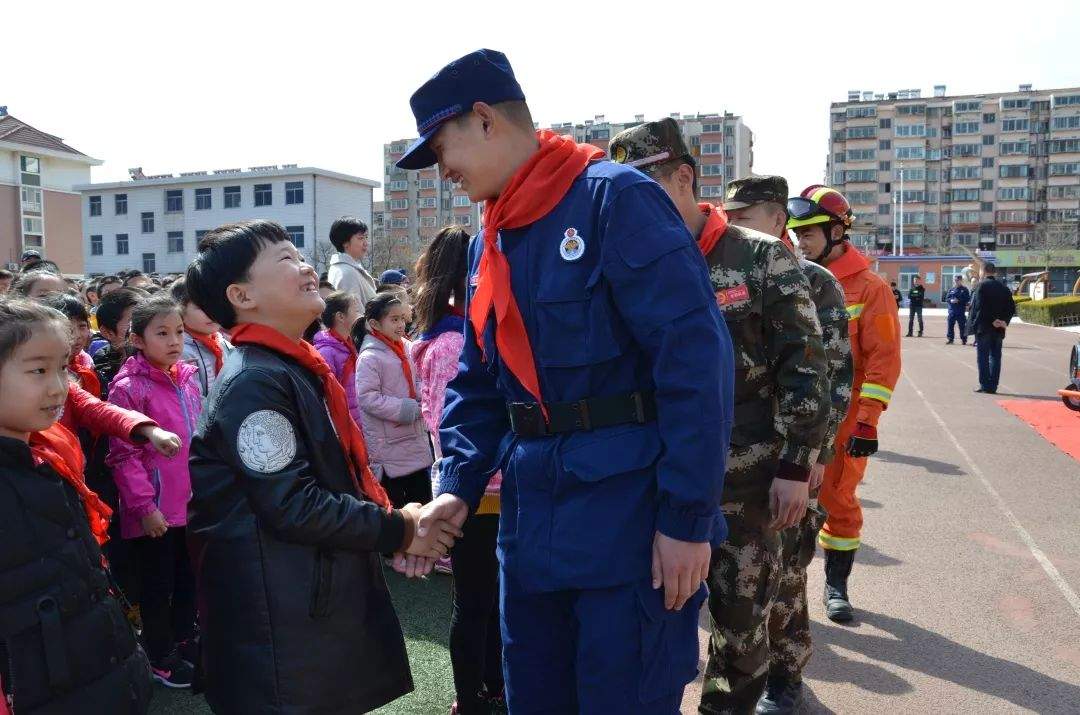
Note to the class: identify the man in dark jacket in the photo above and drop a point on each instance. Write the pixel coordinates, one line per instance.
(286, 534)
(957, 299)
(915, 304)
(896, 295)
(991, 310)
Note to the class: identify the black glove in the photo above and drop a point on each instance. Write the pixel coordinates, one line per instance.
(863, 440)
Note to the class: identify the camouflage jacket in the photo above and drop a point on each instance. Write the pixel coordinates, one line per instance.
(828, 297)
(780, 393)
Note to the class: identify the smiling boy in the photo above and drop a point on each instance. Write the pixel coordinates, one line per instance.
(295, 613)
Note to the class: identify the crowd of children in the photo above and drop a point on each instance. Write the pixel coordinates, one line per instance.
(106, 460)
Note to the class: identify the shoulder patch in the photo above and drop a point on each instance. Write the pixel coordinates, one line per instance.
(266, 441)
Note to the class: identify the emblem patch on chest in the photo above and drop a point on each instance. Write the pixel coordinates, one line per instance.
(573, 246)
(266, 441)
(730, 296)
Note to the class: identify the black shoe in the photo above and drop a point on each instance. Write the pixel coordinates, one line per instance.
(837, 569)
(948, 342)
(781, 697)
(908, 335)
(920, 335)
(172, 672)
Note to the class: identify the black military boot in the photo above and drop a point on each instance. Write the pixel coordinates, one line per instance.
(781, 696)
(837, 569)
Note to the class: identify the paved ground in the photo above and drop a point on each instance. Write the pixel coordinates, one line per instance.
(968, 578)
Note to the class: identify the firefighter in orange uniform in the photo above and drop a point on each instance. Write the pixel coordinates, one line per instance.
(821, 217)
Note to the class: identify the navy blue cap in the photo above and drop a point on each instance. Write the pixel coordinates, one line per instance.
(481, 76)
(392, 277)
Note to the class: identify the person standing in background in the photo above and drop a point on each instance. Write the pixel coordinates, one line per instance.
(915, 304)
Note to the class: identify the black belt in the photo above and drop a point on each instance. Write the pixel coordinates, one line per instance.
(527, 420)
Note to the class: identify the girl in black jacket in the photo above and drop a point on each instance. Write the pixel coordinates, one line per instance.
(65, 645)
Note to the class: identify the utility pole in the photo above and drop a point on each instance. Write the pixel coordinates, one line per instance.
(901, 208)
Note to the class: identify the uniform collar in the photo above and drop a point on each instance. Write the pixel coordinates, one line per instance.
(849, 263)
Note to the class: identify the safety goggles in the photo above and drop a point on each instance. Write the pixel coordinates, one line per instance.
(800, 209)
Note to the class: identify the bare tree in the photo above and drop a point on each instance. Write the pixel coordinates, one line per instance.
(321, 255)
(388, 252)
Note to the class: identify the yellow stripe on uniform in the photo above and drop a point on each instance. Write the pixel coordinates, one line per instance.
(876, 392)
(838, 543)
(855, 310)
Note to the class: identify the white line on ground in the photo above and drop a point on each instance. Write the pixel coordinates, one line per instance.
(1048, 567)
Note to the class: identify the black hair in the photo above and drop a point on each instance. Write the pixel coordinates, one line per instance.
(178, 290)
(315, 326)
(133, 275)
(67, 304)
(323, 283)
(345, 228)
(107, 281)
(669, 167)
(149, 308)
(989, 269)
(336, 302)
(111, 307)
(440, 274)
(225, 257)
(29, 279)
(19, 317)
(376, 309)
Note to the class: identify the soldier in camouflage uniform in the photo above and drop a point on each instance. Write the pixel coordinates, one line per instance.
(760, 203)
(781, 413)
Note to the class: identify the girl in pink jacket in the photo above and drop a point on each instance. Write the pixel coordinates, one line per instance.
(388, 393)
(335, 343)
(154, 490)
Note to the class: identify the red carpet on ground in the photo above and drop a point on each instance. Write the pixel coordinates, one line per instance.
(1057, 424)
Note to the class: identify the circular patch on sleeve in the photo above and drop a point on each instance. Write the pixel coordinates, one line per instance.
(266, 441)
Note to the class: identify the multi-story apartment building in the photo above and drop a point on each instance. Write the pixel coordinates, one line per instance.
(996, 172)
(418, 203)
(39, 208)
(154, 223)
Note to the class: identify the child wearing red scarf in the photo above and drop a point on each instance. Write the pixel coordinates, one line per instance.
(336, 346)
(204, 345)
(81, 656)
(387, 390)
(286, 520)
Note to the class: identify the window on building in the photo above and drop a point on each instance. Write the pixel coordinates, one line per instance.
(95, 205)
(120, 204)
(1064, 146)
(911, 152)
(910, 130)
(175, 241)
(964, 217)
(199, 236)
(861, 175)
(712, 128)
(912, 174)
(988, 162)
(30, 164)
(1014, 103)
(1064, 192)
(148, 222)
(31, 198)
(399, 185)
(884, 209)
(965, 172)
(294, 192)
(989, 118)
(914, 196)
(263, 195)
(460, 201)
(97, 247)
(988, 140)
(861, 111)
(712, 170)
(712, 191)
(1067, 100)
(174, 200)
(884, 123)
(1013, 216)
(860, 154)
(964, 194)
(1012, 238)
(427, 222)
(426, 202)
(966, 128)
(864, 132)
(1014, 148)
(1072, 122)
(987, 184)
(463, 219)
(966, 149)
(425, 184)
(884, 144)
(862, 197)
(1014, 125)
(399, 223)
(1069, 169)
(1014, 193)
(911, 110)
(231, 197)
(149, 263)
(202, 199)
(967, 106)
(934, 154)
(399, 204)
(296, 235)
(121, 244)
(964, 239)
(712, 148)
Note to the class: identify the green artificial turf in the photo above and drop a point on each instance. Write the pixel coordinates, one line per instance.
(423, 606)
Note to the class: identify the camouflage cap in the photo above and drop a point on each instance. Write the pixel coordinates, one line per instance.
(755, 190)
(649, 145)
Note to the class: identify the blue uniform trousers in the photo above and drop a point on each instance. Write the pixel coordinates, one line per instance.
(603, 651)
(957, 317)
(988, 355)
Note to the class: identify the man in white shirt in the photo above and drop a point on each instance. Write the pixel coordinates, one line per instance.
(349, 235)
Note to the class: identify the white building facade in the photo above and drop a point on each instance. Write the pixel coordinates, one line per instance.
(154, 223)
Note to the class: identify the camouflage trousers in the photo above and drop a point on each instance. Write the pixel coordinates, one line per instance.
(744, 579)
(789, 618)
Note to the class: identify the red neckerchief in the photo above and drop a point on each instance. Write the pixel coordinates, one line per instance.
(398, 348)
(352, 440)
(849, 263)
(212, 342)
(349, 374)
(59, 448)
(716, 224)
(88, 379)
(534, 190)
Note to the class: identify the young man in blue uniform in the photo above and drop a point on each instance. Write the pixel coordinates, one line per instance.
(600, 381)
(957, 299)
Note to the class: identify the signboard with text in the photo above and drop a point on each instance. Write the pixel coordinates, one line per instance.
(1037, 259)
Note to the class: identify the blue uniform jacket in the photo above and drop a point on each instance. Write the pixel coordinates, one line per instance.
(634, 311)
(963, 297)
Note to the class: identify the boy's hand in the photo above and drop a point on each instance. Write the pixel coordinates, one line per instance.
(154, 524)
(166, 443)
(412, 566)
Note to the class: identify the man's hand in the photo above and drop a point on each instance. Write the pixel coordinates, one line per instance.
(680, 567)
(863, 440)
(436, 539)
(154, 524)
(445, 507)
(166, 443)
(787, 502)
(817, 476)
(1000, 324)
